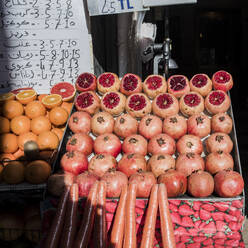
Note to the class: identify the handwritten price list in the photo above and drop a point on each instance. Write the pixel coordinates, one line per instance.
(42, 42)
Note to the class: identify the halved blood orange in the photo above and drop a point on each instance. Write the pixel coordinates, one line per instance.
(65, 89)
(16, 91)
(6, 96)
(52, 100)
(26, 96)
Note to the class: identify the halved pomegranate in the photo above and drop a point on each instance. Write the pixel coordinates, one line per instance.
(222, 80)
(178, 85)
(221, 122)
(191, 103)
(165, 105)
(154, 85)
(113, 103)
(130, 84)
(189, 144)
(201, 83)
(217, 101)
(86, 82)
(107, 82)
(88, 101)
(138, 105)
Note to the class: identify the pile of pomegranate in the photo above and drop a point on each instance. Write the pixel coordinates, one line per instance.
(174, 132)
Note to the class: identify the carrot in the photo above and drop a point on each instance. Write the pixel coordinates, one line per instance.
(130, 221)
(117, 233)
(167, 231)
(150, 221)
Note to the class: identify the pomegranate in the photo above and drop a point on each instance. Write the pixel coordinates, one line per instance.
(175, 182)
(113, 103)
(228, 183)
(218, 161)
(74, 162)
(178, 85)
(145, 180)
(219, 142)
(115, 180)
(86, 82)
(107, 82)
(85, 182)
(79, 122)
(132, 163)
(222, 80)
(125, 125)
(87, 101)
(175, 126)
(199, 125)
(101, 163)
(201, 83)
(135, 144)
(161, 144)
(102, 123)
(165, 105)
(189, 143)
(191, 103)
(150, 125)
(80, 142)
(160, 163)
(200, 184)
(154, 85)
(217, 101)
(107, 143)
(130, 84)
(138, 105)
(221, 122)
(187, 163)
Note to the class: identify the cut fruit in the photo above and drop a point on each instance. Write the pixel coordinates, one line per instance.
(130, 84)
(16, 91)
(201, 83)
(6, 96)
(65, 89)
(86, 82)
(51, 101)
(107, 82)
(222, 80)
(26, 96)
(178, 85)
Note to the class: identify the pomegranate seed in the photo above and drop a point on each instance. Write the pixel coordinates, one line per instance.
(85, 80)
(217, 98)
(164, 101)
(137, 102)
(130, 83)
(199, 80)
(192, 100)
(221, 77)
(177, 83)
(107, 80)
(111, 100)
(85, 100)
(154, 82)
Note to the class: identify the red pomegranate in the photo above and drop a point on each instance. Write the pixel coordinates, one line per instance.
(80, 142)
(201, 83)
(154, 85)
(132, 163)
(86, 82)
(178, 85)
(161, 144)
(113, 103)
(87, 101)
(130, 84)
(219, 142)
(218, 161)
(138, 105)
(79, 122)
(199, 125)
(101, 163)
(175, 126)
(107, 82)
(191, 103)
(221, 122)
(125, 125)
(150, 125)
(135, 144)
(108, 144)
(164, 105)
(187, 163)
(101, 123)
(217, 101)
(189, 144)
(160, 163)
(222, 80)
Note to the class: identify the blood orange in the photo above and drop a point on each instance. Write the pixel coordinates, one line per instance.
(65, 89)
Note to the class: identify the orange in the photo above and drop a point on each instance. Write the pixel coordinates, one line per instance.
(40, 124)
(23, 138)
(4, 125)
(58, 132)
(35, 109)
(58, 116)
(26, 96)
(8, 143)
(6, 96)
(13, 172)
(19, 154)
(51, 101)
(67, 106)
(20, 124)
(12, 108)
(48, 141)
(41, 96)
(5, 158)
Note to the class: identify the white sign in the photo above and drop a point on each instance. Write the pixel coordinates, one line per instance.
(42, 42)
